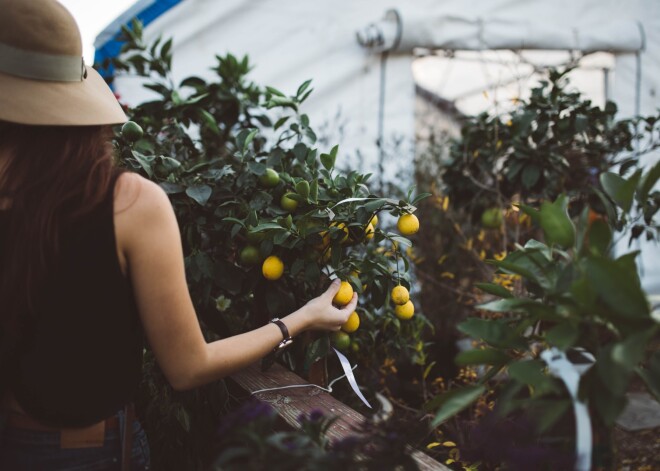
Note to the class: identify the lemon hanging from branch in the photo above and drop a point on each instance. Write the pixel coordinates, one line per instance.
(408, 224)
(405, 311)
(400, 295)
(272, 268)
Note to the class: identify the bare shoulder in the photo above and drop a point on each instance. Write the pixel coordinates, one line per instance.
(142, 213)
(138, 196)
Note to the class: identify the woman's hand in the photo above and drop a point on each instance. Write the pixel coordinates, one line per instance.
(322, 315)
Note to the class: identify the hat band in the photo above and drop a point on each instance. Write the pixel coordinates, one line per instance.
(39, 66)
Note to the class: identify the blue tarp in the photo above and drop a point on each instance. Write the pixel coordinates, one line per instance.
(107, 43)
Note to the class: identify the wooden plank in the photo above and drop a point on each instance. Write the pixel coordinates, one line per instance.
(290, 403)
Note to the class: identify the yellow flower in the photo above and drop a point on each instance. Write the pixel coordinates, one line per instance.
(500, 256)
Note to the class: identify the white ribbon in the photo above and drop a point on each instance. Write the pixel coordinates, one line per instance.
(331, 214)
(570, 373)
(346, 366)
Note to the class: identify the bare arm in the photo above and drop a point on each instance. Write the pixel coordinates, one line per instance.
(148, 236)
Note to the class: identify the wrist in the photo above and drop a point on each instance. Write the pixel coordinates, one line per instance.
(298, 321)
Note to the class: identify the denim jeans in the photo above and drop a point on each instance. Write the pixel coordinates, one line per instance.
(31, 450)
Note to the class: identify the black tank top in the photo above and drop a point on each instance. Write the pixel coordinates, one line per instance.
(81, 359)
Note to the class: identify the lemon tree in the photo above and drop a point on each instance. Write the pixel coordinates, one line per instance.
(268, 215)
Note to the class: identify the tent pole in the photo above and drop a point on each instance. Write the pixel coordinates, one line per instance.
(381, 119)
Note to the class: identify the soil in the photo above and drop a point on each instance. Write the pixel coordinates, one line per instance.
(637, 451)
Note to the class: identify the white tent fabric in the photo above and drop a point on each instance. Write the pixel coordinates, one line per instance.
(291, 41)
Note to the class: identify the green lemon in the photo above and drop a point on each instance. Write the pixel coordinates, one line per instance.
(270, 179)
(249, 255)
(341, 340)
(491, 218)
(288, 204)
(131, 131)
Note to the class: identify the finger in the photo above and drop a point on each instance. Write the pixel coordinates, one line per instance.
(333, 288)
(350, 307)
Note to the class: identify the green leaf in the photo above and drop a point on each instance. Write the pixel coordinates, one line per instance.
(171, 188)
(280, 122)
(629, 352)
(328, 161)
(583, 293)
(266, 226)
(199, 193)
(278, 101)
(249, 139)
(530, 264)
(274, 91)
(314, 191)
(303, 188)
(484, 356)
(509, 304)
(315, 351)
(402, 241)
(610, 209)
(546, 412)
(146, 162)
(492, 288)
(453, 402)
(333, 152)
(494, 332)
(533, 245)
(556, 224)
(302, 88)
(530, 175)
(621, 190)
(531, 373)
(647, 182)
(509, 267)
(600, 237)
(609, 405)
(651, 375)
(617, 287)
(563, 335)
(531, 212)
(244, 137)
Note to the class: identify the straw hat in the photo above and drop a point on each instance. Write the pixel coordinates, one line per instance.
(43, 78)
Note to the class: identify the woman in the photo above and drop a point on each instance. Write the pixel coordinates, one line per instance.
(90, 260)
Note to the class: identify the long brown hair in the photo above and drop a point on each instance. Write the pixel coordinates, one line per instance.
(51, 175)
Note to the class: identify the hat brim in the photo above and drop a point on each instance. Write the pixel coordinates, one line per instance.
(85, 103)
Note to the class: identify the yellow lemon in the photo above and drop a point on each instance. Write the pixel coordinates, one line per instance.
(408, 224)
(374, 220)
(400, 295)
(405, 311)
(352, 324)
(343, 227)
(344, 295)
(369, 232)
(272, 268)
